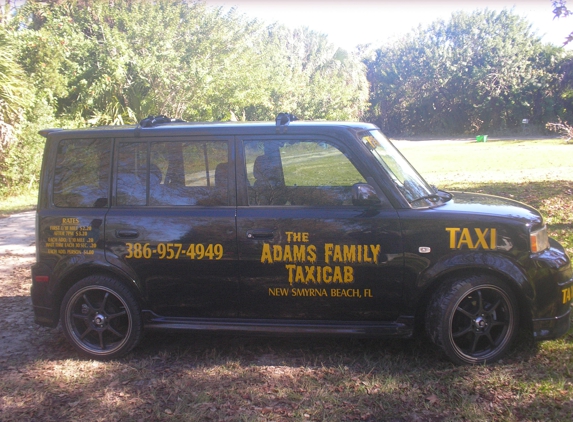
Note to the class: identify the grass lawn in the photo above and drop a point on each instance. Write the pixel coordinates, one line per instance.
(454, 162)
(214, 377)
(24, 202)
(538, 173)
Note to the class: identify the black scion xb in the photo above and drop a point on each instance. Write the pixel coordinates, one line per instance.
(286, 227)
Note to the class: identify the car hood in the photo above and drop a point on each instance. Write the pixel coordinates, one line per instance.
(489, 205)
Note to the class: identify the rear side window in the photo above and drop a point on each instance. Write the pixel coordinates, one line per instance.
(173, 173)
(132, 174)
(81, 177)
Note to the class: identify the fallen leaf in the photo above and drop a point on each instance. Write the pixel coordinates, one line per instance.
(433, 399)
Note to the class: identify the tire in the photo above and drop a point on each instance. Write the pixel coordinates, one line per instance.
(474, 320)
(101, 317)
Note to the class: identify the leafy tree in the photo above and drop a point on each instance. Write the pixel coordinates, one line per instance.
(475, 72)
(309, 77)
(15, 98)
(112, 62)
(560, 10)
(116, 62)
(14, 93)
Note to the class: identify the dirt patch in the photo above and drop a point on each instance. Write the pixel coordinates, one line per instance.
(21, 338)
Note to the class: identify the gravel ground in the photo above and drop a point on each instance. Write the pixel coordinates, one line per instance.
(20, 336)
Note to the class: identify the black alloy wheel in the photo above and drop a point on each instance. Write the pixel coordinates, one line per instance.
(474, 320)
(101, 317)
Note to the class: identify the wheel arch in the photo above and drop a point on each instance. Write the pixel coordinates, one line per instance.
(509, 273)
(66, 281)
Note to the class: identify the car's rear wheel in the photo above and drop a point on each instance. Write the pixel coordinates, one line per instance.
(101, 317)
(474, 320)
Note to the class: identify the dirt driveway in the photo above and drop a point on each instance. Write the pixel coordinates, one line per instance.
(19, 335)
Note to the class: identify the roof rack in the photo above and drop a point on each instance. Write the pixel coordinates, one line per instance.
(283, 120)
(151, 121)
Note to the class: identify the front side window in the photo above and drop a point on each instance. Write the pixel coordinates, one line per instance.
(173, 173)
(81, 177)
(311, 173)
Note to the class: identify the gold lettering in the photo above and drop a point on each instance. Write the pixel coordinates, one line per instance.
(481, 239)
(337, 257)
(375, 252)
(348, 274)
(299, 253)
(327, 274)
(266, 254)
(337, 276)
(452, 231)
(565, 291)
(299, 277)
(297, 237)
(349, 252)
(345, 293)
(366, 257)
(309, 292)
(290, 268)
(277, 253)
(328, 252)
(311, 254)
(465, 238)
(278, 291)
(287, 256)
(310, 273)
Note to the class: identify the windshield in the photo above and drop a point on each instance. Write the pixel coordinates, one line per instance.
(409, 182)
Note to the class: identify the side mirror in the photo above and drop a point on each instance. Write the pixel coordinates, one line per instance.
(364, 194)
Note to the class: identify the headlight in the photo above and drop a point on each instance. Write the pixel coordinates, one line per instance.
(539, 240)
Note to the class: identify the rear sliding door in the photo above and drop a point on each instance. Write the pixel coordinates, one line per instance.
(172, 224)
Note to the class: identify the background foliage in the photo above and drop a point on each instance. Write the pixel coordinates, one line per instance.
(476, 72)
(71, 63)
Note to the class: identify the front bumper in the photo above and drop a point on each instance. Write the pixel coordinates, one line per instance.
(551, 328)
(553, 293)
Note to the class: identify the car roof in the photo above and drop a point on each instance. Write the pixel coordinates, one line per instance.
(209, 128)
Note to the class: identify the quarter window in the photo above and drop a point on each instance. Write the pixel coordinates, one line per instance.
(82, 171)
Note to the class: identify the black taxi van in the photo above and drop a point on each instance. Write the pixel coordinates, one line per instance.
(285, 227)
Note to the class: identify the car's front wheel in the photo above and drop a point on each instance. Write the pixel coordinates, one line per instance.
(101, 317)
(474, 319)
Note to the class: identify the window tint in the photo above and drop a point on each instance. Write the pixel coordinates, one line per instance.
(132, 173)
(189, 173)
(179, 173)
(82, 171)
(313, 173)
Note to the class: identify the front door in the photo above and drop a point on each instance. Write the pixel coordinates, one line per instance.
(172, 226)
(305, 251)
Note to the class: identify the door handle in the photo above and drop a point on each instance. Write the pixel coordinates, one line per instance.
(260, 234)
(127, 234)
